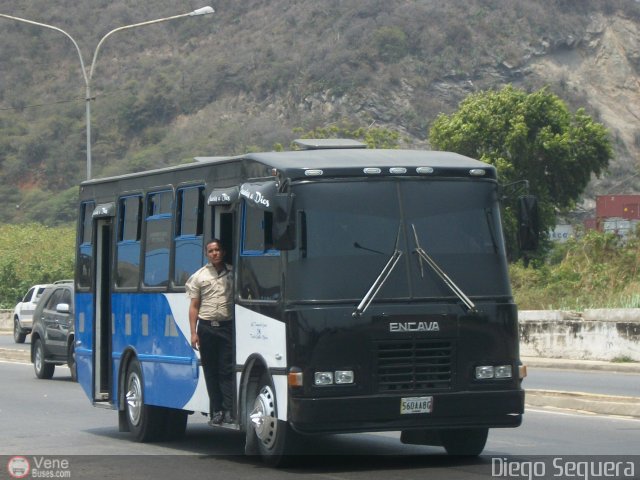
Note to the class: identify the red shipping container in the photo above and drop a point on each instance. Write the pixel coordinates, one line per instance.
(621, 206)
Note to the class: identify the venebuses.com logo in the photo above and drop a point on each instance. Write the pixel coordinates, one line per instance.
(38, 467)
(18, 467)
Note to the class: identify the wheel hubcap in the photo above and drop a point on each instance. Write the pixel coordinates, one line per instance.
(134, 398)
(264, 418)
(38, 358)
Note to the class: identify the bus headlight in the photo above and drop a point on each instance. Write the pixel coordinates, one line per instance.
(503, 371)
(339, 377)
(484, 372)
(344, 377)
(323, 378)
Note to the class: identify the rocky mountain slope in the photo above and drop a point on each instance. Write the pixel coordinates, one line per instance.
(257, 70)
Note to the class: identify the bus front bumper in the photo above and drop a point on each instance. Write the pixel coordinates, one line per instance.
(493, 409)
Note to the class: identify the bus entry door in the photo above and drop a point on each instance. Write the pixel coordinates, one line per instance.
(102, 376)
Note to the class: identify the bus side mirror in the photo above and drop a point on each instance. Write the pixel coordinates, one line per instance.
(283, 227)
(528, 223)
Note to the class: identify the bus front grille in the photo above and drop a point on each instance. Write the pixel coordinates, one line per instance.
(414, 365)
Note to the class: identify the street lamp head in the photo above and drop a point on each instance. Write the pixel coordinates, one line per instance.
(202, 11)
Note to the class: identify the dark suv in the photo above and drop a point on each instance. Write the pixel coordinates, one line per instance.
(52, 335)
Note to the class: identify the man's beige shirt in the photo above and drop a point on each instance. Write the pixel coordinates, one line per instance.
(215, 292)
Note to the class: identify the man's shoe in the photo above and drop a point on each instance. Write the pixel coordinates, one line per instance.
(217, 418)
(228, 417)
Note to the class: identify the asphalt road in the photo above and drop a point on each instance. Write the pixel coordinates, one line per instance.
(599, 382)
(53, 419)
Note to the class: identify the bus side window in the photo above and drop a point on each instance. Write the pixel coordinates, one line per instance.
(85, 257)
(128, 241)
(189, 255)
(157, 238)
(259, 270)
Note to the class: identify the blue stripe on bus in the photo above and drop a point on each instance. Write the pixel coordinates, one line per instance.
(143, 322)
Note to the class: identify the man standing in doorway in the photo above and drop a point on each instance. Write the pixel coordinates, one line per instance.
(210, 290)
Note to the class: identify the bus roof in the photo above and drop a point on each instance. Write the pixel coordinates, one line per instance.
(343, 163)
(352, 162)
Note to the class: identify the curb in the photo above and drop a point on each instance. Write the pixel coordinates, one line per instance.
(586, 402)
(561, 363)
(14, 355)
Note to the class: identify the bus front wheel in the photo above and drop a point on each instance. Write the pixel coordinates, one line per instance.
(143, 420)
(464, 442)
(273, 438)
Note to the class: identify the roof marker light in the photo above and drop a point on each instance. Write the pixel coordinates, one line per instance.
(477, 172)
(398, 170)
(424, 170)
(313, 172)
(372, 171)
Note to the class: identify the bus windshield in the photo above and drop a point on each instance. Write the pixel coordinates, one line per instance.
(348, 231)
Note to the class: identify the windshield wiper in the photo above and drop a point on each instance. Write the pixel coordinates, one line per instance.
(380, 281)
(422, 255)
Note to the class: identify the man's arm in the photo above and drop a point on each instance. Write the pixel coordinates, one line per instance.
(194, 308)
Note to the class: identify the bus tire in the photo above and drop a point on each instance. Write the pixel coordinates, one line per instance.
(145, 421)
(269, 437)
(467, 442)
(43, 369)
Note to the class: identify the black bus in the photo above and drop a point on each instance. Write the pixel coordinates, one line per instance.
(371, 294)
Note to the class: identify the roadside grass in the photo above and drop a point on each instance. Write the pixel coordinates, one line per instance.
(595, 270)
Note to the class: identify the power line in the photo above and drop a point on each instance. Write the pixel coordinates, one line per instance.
(116, 93)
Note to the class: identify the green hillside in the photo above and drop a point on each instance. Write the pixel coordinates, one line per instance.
(247, 76)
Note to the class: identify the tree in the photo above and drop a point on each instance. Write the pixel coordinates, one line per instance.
(32, 254)
(530, 137)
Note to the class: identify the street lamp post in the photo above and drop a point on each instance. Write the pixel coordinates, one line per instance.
(89, 76)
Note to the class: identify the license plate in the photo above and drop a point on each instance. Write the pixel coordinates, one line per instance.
(416, 405)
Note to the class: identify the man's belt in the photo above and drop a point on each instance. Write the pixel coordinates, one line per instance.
(214, 323)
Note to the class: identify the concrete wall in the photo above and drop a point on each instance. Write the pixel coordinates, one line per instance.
(596, 334)
(6, 320)
(590, 335)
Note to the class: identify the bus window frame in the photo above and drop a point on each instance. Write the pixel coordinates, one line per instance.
(82, 226)
(173, 285)
(119, 228)
(270, 252)
(143, 238)
(248, 256)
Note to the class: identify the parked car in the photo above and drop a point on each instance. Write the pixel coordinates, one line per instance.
(52, 336)
(23, 313)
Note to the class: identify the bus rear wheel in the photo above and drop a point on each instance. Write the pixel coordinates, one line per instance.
(144, 421)
(273, 438)
(464, 442)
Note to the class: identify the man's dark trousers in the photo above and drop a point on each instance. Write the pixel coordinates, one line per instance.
(216, 354)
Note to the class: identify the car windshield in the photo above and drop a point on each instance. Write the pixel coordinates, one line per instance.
(348, 231)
